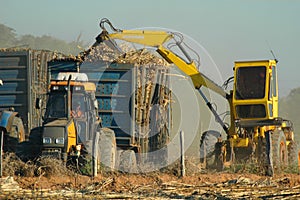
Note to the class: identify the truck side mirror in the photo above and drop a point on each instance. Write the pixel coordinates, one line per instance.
(38, 103)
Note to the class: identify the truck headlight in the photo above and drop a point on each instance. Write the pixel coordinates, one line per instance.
(47, 140)
(60, 140)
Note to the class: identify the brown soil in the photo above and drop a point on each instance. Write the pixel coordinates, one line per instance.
(47, 176)
(126, 182)
(158, 186)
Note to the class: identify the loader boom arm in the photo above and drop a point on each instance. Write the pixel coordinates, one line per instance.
(157, 39)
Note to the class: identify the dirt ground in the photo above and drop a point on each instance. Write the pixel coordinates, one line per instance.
(159, 186)
(48, 178)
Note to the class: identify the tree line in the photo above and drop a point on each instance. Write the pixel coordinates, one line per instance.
(289, 108)
(10, 39)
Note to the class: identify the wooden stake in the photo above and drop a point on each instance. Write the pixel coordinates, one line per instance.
(1, 152)
(182, 153)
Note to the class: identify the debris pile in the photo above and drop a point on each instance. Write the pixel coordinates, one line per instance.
(126, 55)
(45, 166)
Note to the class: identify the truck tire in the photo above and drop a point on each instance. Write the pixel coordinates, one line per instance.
(14, 135)
(19, 128)
(128, 161)
(90, 159)
(294, 155)
(31, 149)
(85, 160)
(107, 148)
(95, 154)
(208, 143)
(118, 158)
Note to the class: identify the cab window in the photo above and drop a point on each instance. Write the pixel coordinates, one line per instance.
(250, 82)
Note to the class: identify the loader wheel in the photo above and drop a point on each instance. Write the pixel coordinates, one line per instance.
(208, 143)
(265, 155)
(220, 155)
(294, 155)
(279, 148)
(107, 148)
(276, 151)
(128, 161)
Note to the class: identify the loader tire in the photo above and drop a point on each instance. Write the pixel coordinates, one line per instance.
(279, 148)
(220, 155)
(208, 143)
(276, 152)
(267, 155)
(128, 161)
(264, 154)
(107, 148)
(294, 155)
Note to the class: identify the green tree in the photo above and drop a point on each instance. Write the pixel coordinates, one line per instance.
(51, 43)
(8, 39)
(27, 41)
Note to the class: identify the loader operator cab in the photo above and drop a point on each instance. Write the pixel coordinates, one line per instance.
(255, 90)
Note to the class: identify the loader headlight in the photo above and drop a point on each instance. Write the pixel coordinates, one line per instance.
(59, 140)
(47, 140)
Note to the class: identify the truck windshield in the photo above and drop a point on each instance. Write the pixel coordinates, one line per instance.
(250, 82)
(56, 106)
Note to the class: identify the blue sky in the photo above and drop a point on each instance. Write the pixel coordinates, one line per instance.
(229, 30)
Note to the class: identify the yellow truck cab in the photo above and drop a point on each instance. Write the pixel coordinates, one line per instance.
(64, 132)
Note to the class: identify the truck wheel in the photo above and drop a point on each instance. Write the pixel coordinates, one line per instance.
(19, 127)
(294, 155)
(208, 143)
(23, 151)
(128, 161)
(85, 161)
(15, 135)
(30, 150)
(118, 158)
(107, 148)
